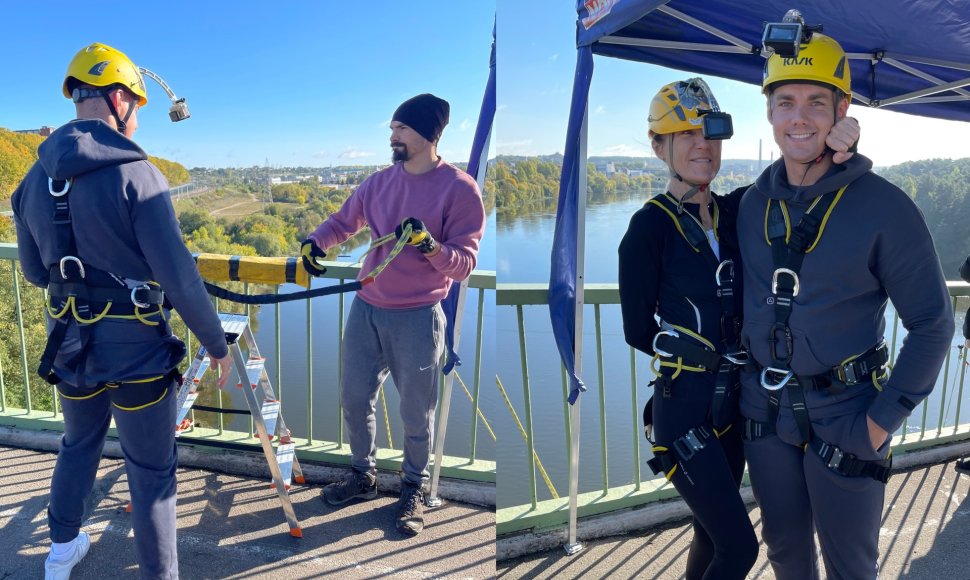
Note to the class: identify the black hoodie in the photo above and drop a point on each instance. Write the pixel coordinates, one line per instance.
(875, 246)
(123, 223)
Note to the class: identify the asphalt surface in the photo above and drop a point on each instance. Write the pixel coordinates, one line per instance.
(925, 534)
(234, 527)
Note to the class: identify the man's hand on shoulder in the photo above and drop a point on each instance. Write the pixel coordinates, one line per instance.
(843, 138)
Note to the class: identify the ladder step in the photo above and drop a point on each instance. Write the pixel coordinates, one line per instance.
(184, 406)
(254, 370)
(270, 413)
(284, 457)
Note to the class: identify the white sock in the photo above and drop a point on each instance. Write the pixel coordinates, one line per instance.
(60, 549)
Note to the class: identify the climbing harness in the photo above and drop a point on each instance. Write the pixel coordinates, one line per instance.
(682, 349)
(789, 246)
(88, 294)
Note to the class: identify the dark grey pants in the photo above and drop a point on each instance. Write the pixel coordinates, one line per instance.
(147, 437)
(408, 344)
(798, 495)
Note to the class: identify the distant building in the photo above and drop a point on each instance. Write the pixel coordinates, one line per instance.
(44, 131)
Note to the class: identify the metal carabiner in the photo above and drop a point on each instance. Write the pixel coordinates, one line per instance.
(55, 192)
(788, 374)
(720, 268)
(670, 333)
(739, 358)
(135, 301)
(774, 280)
(74, 259)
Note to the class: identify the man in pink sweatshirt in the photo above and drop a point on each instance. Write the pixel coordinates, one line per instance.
(396, 323)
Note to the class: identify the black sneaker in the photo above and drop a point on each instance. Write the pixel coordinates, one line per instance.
(410, 510)
(963, 466)
(357, 485)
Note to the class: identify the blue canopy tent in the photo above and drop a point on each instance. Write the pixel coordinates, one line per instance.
(453, 304)
(910, 56)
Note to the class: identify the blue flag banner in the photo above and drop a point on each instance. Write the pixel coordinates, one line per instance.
(562, 277)
(476, 167)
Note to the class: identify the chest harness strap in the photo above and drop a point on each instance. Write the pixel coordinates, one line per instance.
(788, 248)
(691, 351)
(87, 293)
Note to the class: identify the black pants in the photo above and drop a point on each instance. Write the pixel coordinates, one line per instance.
(724, 544)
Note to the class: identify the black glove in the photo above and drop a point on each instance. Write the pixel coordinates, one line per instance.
(420, 237)
(310, 253)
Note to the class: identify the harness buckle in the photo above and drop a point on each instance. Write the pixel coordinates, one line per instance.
(846, 373)
(720, 268)
(739, 358)
(774, 280)
(74, 259)
(835, 462)
(134, 299)
(58, 192)
(786, 376)
(670, 333)
(789, 344)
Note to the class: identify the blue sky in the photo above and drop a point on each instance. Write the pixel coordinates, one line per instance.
(315, 83)
(297, 82)
(537, 60)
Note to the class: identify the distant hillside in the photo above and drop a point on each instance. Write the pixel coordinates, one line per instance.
(18, 152)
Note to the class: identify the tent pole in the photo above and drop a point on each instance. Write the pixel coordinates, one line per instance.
(445, 407)
(573, 546)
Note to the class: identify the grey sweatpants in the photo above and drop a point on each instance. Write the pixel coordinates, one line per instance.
(408, 344)
(798, 495)
(147, 438)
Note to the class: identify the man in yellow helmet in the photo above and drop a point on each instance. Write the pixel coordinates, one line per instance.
(679, 261)
(824, 245)
(96, 228)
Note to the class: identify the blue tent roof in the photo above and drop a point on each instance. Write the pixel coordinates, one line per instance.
(896, 47)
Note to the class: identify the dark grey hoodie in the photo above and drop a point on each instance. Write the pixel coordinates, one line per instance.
(875, 246)
(123, 223)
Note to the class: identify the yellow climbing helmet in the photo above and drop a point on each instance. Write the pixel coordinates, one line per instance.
(680, 106)
(99, 65)
(821, 60)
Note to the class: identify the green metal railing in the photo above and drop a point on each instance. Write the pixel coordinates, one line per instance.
(32, 415)
(530, 301)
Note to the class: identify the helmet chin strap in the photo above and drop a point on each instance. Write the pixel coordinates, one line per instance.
(694, 187)
(122, 123)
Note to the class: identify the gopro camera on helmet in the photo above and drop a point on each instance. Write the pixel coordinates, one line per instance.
(784, 38)
(179, 111)
(717, 126)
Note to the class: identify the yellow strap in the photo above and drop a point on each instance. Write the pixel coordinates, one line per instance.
(140, 407)
(67, 306)
(660, 204)
(82, 320)
(138, 381)
(821, 228)
(94, 394)
(670, 473)
(719, 433)
(694, 335)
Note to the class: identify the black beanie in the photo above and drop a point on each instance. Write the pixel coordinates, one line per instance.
(426, 114)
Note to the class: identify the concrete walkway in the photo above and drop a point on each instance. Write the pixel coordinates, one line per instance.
(233, 527)
(925, 534)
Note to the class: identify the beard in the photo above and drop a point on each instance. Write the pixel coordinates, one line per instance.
(399, 152)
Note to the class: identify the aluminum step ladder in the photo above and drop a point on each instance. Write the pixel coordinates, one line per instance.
(264, 407)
